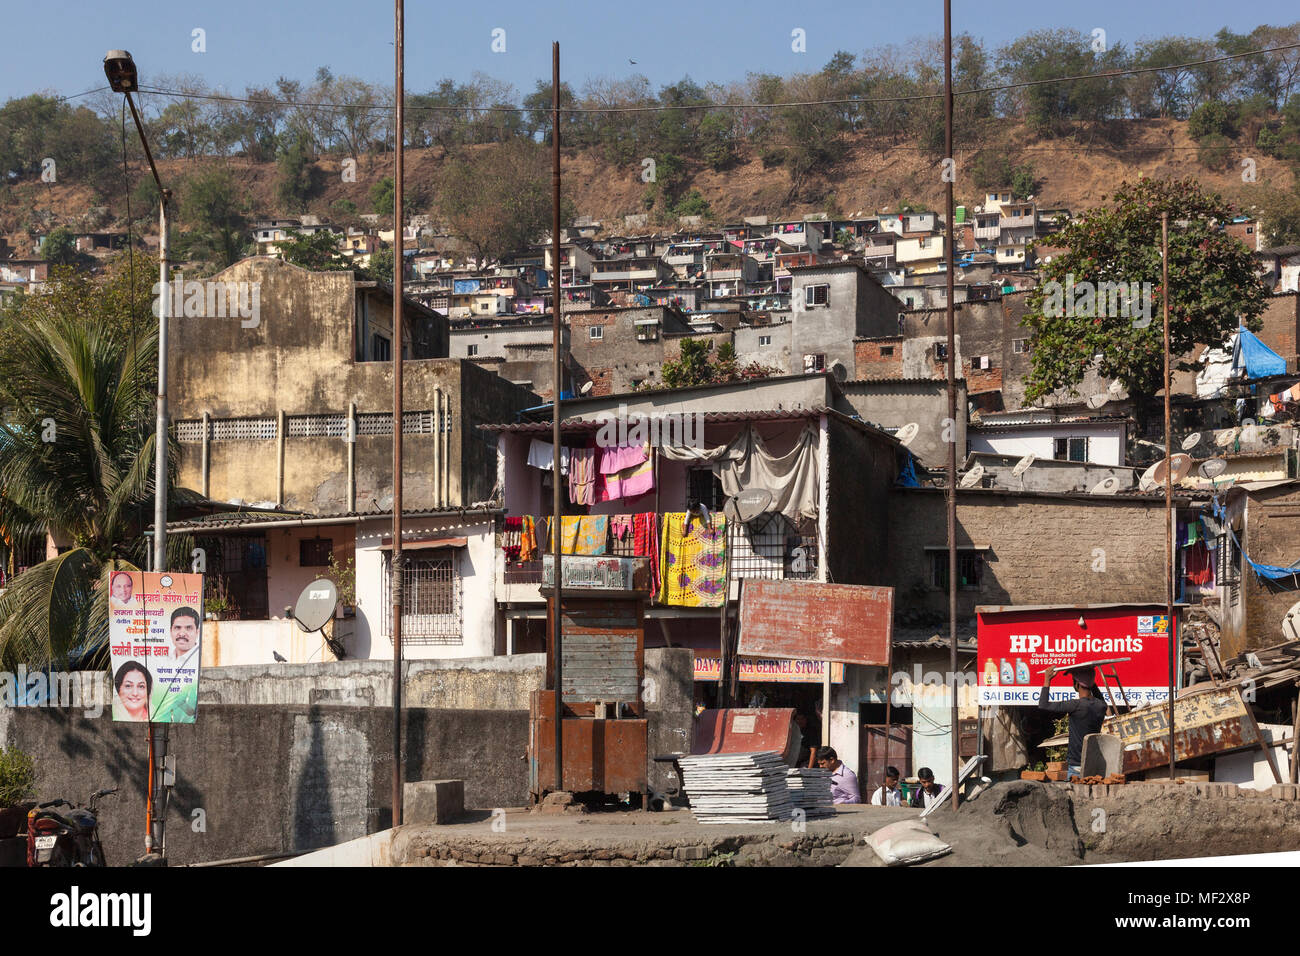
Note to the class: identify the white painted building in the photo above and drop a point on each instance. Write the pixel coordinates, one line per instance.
(259, 564)
(1100, 440)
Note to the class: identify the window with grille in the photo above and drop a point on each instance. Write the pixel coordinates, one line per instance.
(431, 598)
(703, 487)
(817, 295)
(315, 552)
(970, 570)
(381, 349)
(1070, 449)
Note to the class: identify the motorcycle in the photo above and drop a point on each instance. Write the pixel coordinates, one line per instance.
(66, 839)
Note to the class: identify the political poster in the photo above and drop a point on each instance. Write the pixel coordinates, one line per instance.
(155, 628)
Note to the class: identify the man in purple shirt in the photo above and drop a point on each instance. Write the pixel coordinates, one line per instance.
(844, 782)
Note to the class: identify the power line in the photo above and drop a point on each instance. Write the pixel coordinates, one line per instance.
(661, 108)
(57, 100)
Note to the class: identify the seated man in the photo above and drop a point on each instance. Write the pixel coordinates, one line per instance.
(929, 791)
(844, 782)
(889, 795)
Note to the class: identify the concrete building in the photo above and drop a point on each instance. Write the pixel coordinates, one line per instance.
(1101, 440)
(831, 305)
(894, 402)
(294, 410)
(618, 349)
(260, 564)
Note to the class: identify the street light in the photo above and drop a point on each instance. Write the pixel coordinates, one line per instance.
(120, 69)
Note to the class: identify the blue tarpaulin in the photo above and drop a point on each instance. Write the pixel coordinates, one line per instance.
(1255, 357)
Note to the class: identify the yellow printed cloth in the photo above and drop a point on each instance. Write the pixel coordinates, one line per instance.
(693, 560)
(581, 534)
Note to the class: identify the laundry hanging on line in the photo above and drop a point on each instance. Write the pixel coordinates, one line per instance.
(745, 464)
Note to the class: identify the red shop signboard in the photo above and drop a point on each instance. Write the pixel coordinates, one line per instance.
(1015, 647)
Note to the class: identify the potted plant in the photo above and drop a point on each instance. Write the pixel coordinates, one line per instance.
(344, 576)
(17, 783)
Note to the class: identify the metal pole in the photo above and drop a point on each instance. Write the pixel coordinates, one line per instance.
(952, 403)
(557, 503)
(160, 424)
(1169, 486)
(725, 663)
(399, 16)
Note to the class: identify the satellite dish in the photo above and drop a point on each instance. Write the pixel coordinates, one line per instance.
(1191, 441)
(1097, 401)
(586, 387)
(1291, 623)
(1226, 437)
(316, 604)
(1212, 468)
(972, 477)
(1115, 389)
(1024, 464)
(907, 434)
(839, 371)
(748, 505)
(1148, 479)
(1182, 466)
(1107, 486)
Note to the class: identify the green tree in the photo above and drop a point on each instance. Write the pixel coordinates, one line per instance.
(381, 265)
(1023, 183)
(213, 207)
(60, 248)
(1212, 277)
(77, 462)
(1211, 119)
(499, 199)
(318, 251)
(382, 194)
(298, 178)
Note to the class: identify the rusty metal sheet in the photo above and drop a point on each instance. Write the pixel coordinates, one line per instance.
(1213, 721)
(742, 730)
(806, 619)
(607, 756)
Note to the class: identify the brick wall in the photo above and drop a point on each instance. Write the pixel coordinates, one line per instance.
(1041, 550)
(871, 361)
(1281, 321)
(1272, 537)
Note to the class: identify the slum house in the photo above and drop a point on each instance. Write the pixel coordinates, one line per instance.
(1254, 537)
(895, 403)
(292, 415)
(1014, 548)
(617, 350)
(833, 304)
(827, 521)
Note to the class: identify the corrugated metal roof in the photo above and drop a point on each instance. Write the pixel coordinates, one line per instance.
(595, 424)
(248, 519)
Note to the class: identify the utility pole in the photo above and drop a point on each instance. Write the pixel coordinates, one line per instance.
(399, 17)
(557, 503)
(1169, 484)
(951, 491)
(123, 78)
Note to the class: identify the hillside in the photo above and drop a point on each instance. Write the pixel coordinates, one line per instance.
(869, 176)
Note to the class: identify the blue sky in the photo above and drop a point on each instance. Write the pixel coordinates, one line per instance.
(60, 45)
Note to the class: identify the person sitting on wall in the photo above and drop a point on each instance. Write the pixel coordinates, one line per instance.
(928, 793)
(844, 782)
(888, 795)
